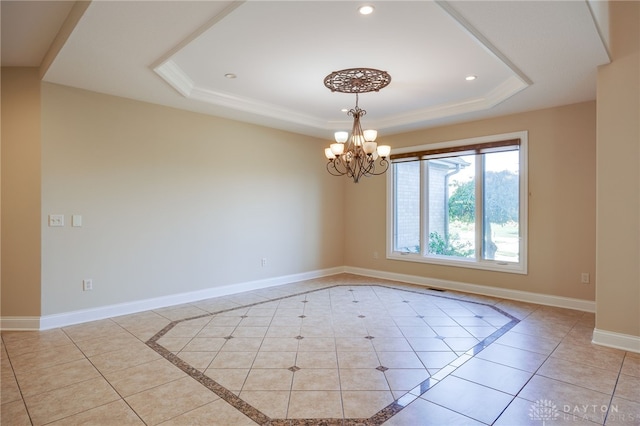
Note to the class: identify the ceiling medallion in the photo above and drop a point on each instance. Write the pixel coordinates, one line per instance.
(355, 155)
(357, 80)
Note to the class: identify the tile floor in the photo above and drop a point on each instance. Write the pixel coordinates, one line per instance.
(342, 350)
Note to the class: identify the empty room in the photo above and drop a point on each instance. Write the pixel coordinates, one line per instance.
(320, 213)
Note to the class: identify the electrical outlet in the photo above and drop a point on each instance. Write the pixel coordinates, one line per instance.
(584, 278)
(375, 254)
(87, 285)
(56, 220)
(264, 262)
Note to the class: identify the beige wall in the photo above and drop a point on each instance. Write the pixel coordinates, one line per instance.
(174, 201)
(561, 204)
(20, 192)
(618, 184)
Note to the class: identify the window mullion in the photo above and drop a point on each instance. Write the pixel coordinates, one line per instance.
(424, 208)
(479, 207)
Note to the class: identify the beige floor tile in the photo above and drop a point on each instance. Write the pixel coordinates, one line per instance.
(268, 379)
(9, 390)
(231, 378)
(541, 344)
(317, 360)
(363, 379)
(93, 329)
(114, 413)
(355, 359)
(594, 355)
(279, 344)
(170, 400)
(46, 358)
(567, 397)
(513, 357)
(315, 404)
(272, 403)
(146, 317)
(179, 312)
(391, 344)
(14, 414)
(245, 331)
(44, 341)
(119, 360)
(623, 412)
(399, 360)
(198, 360)
(316, 379)
(631, 365)
(57, 376)
(425, 413)
(435, 360)
(189, 328)
(215, 413)
(357, 344)
(428, 344)
(101, 345)
(241, 344)
(202, 344)
(313, 344)
(496, 376)
(479, 402)
(275, 360)
(63, 402)
(174, 344)
(541, 328)
(283, 331)
(145, 376)
(216, 331)
(583, 375)
(364, 404)
(233, 360)
(405, 379)
(628, 387)
(523, 413)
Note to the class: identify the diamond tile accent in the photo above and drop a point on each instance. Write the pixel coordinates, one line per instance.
(369, 337)
(381, 368)
(294, 368)
(299, 337)
(228, 337)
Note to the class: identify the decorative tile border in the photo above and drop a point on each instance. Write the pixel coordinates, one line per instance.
(378, 418)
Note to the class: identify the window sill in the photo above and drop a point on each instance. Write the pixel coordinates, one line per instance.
(487, 265)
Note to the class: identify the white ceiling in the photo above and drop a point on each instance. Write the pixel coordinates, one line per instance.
(526, 54)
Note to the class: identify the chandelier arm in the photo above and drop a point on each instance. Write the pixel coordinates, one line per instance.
(333, 167)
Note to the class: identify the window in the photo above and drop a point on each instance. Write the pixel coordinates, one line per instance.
(461, 203)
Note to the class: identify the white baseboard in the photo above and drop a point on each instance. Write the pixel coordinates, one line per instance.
(503, 293)
(611, 339)
(75, 317)
(20, 323)
(47, 322)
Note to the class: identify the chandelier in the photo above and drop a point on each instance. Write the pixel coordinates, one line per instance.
(355, 155)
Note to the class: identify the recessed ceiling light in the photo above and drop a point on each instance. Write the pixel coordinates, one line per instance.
(470, 77)
(366, 9)
(230, 75)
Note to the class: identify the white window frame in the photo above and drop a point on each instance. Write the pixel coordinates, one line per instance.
(476, 263)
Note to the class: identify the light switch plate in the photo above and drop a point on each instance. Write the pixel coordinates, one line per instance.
(76, 220)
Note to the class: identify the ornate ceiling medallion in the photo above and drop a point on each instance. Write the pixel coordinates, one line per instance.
(357, 80)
